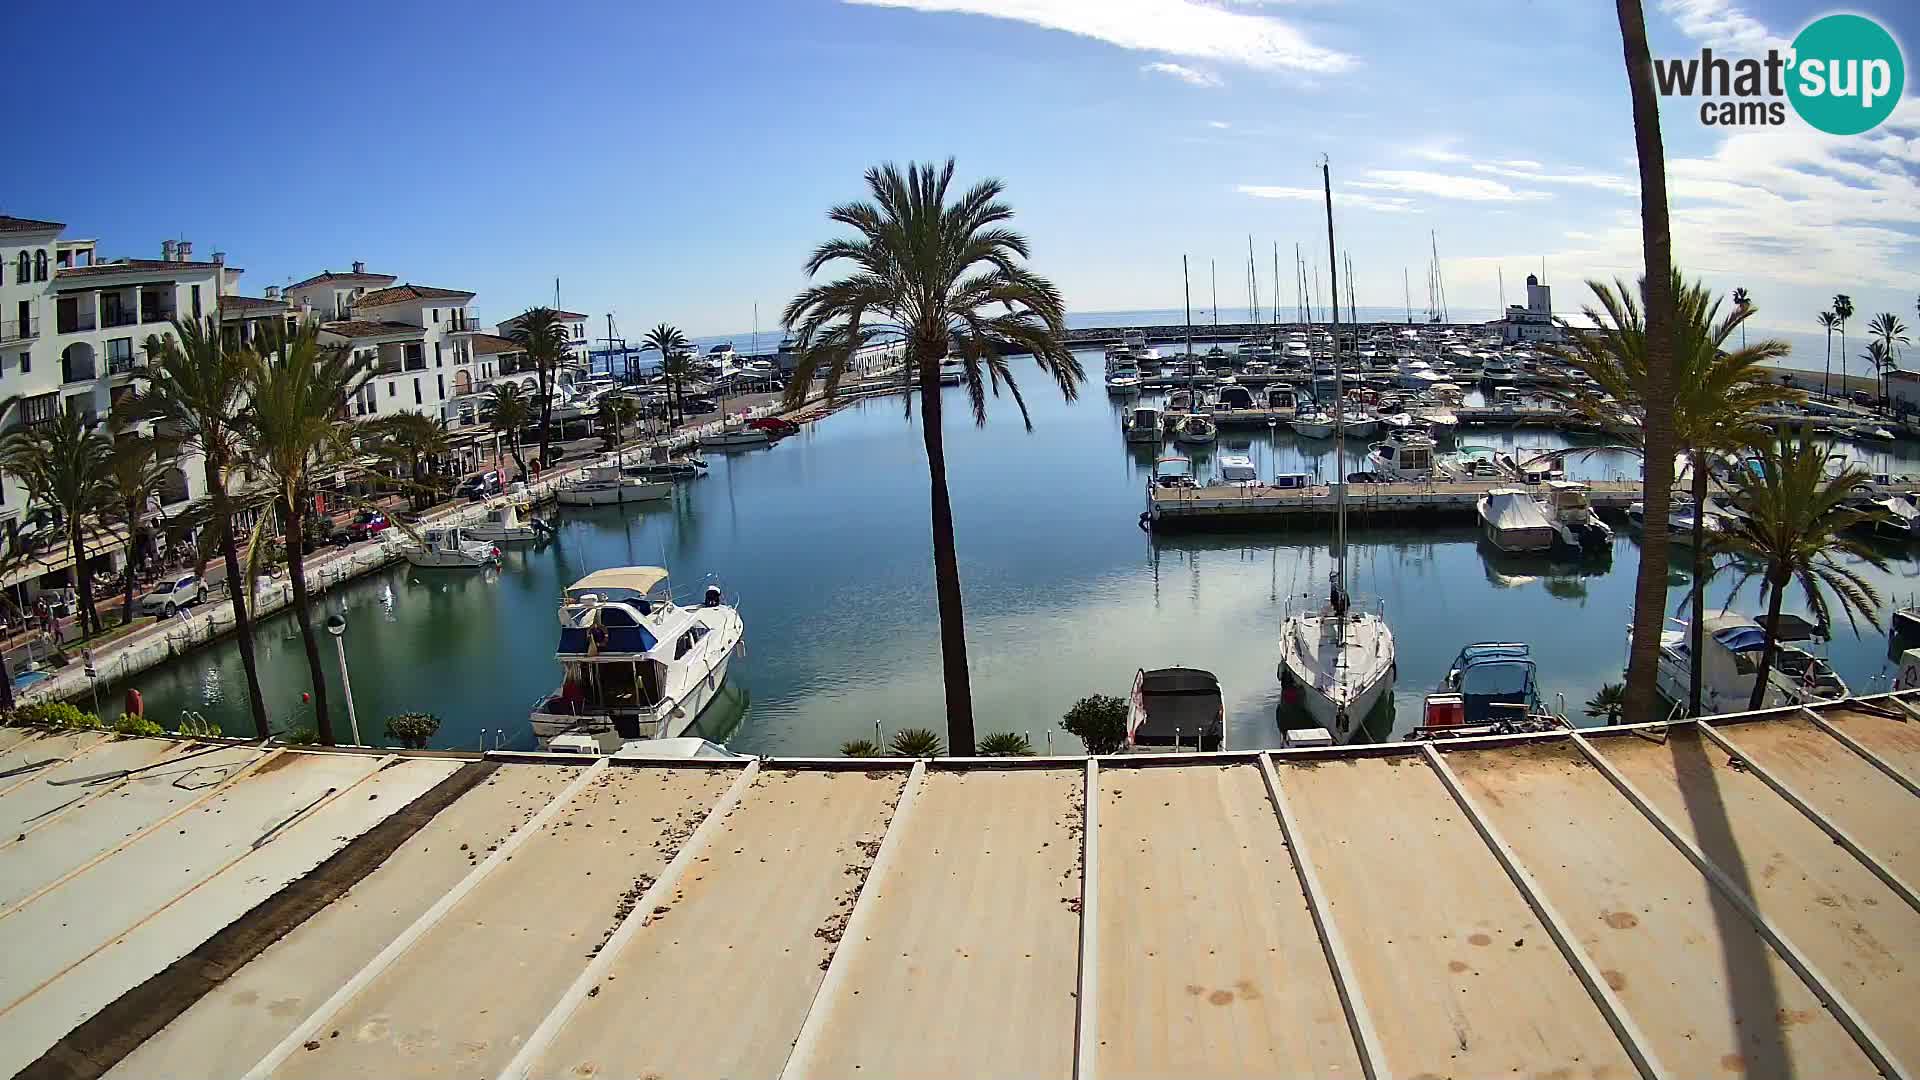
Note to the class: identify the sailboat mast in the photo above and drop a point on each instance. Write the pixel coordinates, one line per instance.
(1213, 274)
(1276, 291)
(1338, 596)
(1406, 290)
(1186, 287)
(1253, 280)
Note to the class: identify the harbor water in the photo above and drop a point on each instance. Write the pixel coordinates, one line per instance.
(824, 541)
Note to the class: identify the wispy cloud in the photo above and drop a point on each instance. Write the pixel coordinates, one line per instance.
(1190, 76)
(1218, 125)
(1392, 204)
(1722, 24)
(1186, 28)
(1445, 186)
(1441, 152)
(1531, 171)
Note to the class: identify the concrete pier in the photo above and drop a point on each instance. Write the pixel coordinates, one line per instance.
(1226, 506)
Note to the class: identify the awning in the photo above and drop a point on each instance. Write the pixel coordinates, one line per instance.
(639, 579)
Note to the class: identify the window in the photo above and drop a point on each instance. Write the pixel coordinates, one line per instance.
(417, 399)
(440, 382)
(392, 389)
(436, 314)
(26, 363)
(436, 354)
(39, 410)
(23, 269)
(40, 266)
(196, 301)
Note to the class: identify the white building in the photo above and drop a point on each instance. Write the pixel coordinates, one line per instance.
(417, 339)
(1531, 323)
(576, 324)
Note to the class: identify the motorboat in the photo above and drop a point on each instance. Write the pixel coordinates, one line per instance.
(1174, 472)
(1893, 515)
(1137, 347)
(1489, 689)
(1359, 423)
(1176, 708)
(666, 468)
(1280, 397)
(1142, 425)
(634, 662)
(1415, 374)
(1232, 396)
(1406, 455)
(1313, 425)
(1570, 512)
(1680, 517)
(1123, 378)
(1181, 400)
(450, 549)
(1196, 430)
(952, 373)
(1237, 470)
(607, 484)
(736, 439)
(507, 521)
(1514, 521)
(1730, 660)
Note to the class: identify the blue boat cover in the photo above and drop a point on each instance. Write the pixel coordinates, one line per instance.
(616, 639)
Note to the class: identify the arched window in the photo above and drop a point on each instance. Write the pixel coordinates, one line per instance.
(23, 271)
(40, 266)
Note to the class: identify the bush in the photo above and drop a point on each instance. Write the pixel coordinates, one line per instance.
(1608, 703)
(860, 748)
(195, 726)
(57, 714)
(304, 735)
(1006, 744)
(131, 724)
(916, 742)
(412, 730)
(1100, 722)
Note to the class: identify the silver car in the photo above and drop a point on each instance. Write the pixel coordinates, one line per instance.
(179, 591)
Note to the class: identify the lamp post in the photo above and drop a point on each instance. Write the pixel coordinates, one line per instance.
(337, 626)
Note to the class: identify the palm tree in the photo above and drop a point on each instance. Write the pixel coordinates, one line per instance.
(1606, 702)
(1828, 320)
(195, 392)
(1843, 310)
(938, 278)
(1887, 328)
(1796, 527)
(414, 441)
(1880, 361)
(1743, 303)
(511, 413)
(135, 474)
(1717, 396)
(543, 335)
(296, 386)
(616, 412)
(1656, 243)
(64, 466)
(675, 364)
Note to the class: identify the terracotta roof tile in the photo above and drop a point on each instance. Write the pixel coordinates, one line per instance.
(400, 294)
(330, 275)
(368, 328)
(133, 266)
(21, 224)
(249, 303)
(489, 344)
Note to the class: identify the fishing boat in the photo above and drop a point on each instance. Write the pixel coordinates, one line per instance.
(1489, 689)
(1338, 660)
(633, 662)
(450, 549)
(1142, 425)
(607, 484)
(1513, 520)
(1570, 511)
(1196, 430)
(1730, 660)
(508, 522)
(1176, 708)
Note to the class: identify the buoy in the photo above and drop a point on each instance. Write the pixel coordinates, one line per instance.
(135, 707)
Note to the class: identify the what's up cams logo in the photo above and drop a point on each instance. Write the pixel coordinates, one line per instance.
(1843, 75)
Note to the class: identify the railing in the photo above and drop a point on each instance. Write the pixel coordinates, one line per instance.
(416, 365)
(125, 365)
(123, 317)
(461, 324)
(20, 329)
(157, 315)
(74, 322)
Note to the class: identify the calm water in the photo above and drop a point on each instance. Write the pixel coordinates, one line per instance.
(825, 540)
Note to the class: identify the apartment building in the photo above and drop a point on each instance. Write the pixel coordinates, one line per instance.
(418, 339)
(576, 324)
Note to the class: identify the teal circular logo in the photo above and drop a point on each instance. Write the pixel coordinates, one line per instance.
(1847, 74)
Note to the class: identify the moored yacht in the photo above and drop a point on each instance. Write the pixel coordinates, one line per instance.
(1405, 455)
(508, 522)
(450, 549)
(1730, 660)
(1489, 689)
(1572, 516)
(606, 484)
(1142, 425)
(633, 661)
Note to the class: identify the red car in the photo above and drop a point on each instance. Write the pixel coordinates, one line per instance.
(774, 426)
(368, 525)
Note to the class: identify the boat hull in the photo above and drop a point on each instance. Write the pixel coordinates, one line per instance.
(1312, 430)
(673, 725)
(1340, 705)
(612, 494)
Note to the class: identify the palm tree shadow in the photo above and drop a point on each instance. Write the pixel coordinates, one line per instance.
(1746, 955)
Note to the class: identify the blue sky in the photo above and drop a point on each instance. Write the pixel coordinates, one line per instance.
(673, 161)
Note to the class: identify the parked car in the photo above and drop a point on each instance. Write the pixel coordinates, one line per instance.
(366, 525)
(179, 591)
(481, 485)
(694, 406)
(774, 426)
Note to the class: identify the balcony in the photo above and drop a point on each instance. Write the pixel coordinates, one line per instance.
(461, 323)
(20, 329)
(387, 367)
(118, 317)
(126, 365)
(74, 322)
(156, 314)
(416, 363)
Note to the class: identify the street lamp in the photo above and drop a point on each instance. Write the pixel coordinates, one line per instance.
(337, 626)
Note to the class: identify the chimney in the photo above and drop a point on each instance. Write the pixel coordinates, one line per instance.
(273, 292)
(184, 250)
(166, 251)
(219, 258)
(359, 267)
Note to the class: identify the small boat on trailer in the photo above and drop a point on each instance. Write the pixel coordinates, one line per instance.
(1176, 708)
(1489, 689)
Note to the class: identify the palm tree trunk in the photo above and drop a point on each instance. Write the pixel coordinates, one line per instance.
(126, 599)
(1696, 633)
(1844, 392)
(1759, 697)
(547, 381)
(1826, 381)
(83, 581)
(237, 593)
(1650, 588)
(946, 568)
(290, 519)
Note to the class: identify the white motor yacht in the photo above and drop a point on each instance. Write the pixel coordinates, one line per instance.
(633, 661)
(1122, 377)
(1571, 513)
(1406, 455)
(1730, 658)
(1137, 347)
(450, 549)
(606, 484)
(508, 521)
(737, 439)
(1142, 425)
(1313, 425)
(1513, 520)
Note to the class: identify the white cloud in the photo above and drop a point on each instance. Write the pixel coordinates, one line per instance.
(1721, 24)
(1576, 234)
(1530, 166)
(1176, 27)
(1530, 170)
(1441, 152)
(1345, 200)
(1218, 125)
(1445, 186)
(1190, 76)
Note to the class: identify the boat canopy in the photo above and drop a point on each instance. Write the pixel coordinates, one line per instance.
(1173, 466)
(1510, 509)
(634, 579)
(1237, 467)
(1495, 679)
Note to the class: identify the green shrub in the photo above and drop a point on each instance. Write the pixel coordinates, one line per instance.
(1100, 722)
(860, 748)
(57, 714)
(195, 726)
(916, 742)
(304, 735)
(131, 724)
(412, 730)
(1006, 744)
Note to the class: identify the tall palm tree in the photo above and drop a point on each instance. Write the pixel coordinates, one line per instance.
(1879, 361)
(510, 415)
(616, 412)
(64, 466)
(413, 441)
(1656, 243)
(1717, 396)
(542, 333)
(675, 364)
(1828, 320)
(938, 277)
(135, 474)
(1796, 524)
(1843, 310)
(195, 392)
(1891, 333)
(296, 385)
(1742, 302)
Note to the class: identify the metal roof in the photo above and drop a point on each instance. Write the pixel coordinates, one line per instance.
(1689, 900)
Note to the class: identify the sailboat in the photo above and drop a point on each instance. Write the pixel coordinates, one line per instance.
(1337, 660)
(730, 437)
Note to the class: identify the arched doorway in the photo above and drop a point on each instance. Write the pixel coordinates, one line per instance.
(462, 383)
(77, 363)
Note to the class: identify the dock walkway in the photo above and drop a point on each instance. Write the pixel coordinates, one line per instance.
(1226, 504)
